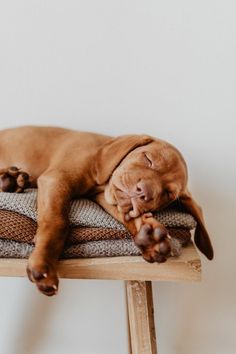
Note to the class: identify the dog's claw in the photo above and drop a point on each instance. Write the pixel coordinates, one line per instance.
(43, 274)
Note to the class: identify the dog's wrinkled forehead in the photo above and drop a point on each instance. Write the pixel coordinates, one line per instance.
(159, 155)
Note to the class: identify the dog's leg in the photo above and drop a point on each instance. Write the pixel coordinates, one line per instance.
(148, 233)
(54, 195)
(13, 179)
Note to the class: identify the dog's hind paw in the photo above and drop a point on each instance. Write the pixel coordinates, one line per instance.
(13, 179)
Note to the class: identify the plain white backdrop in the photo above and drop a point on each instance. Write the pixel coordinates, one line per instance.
(165, 68)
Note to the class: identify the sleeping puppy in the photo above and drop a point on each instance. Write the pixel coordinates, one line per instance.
(129, 176)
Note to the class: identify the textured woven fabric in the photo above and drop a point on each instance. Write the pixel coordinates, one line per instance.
(94, 233)
(101, 248)
(84, 212)
(20, 228)
(105, 248)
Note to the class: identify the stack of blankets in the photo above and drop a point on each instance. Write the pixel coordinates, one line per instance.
(93, 232)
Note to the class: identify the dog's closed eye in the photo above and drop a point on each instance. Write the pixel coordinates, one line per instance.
(148, 159)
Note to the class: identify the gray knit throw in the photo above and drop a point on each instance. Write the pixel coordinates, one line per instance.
(92, 249)
(84, 212)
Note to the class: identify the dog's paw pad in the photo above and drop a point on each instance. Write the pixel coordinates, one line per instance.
(154, 243)
(143, 238)
(12, 179)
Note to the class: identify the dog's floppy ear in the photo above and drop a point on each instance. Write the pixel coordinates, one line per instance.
(112, 153)
(201, 236)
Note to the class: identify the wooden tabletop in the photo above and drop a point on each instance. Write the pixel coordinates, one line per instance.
(187, 267)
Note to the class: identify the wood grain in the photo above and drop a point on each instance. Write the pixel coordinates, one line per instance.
(187, 267)
(141, 317)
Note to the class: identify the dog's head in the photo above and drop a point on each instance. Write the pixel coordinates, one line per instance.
(146, 174)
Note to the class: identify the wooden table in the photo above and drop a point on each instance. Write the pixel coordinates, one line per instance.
(138, 276)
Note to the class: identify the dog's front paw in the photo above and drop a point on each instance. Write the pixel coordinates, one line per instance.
(154, 241)
(43, 273)
(13, 179)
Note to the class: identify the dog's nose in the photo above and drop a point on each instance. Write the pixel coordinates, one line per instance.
(143, 191)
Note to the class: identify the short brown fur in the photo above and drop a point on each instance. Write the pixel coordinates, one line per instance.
(129, 176)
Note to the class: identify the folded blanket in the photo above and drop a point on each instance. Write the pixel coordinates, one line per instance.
(103, 248)
(93, 232)
(20, 228)
(84, 212)
(100, 248)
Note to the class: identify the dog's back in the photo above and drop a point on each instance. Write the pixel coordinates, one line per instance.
(32, 148)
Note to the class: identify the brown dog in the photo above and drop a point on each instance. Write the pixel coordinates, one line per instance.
(129, 176)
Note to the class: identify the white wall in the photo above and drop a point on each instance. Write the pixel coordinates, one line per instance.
(165, 68)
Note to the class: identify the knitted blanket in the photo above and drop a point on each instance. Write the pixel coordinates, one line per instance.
(94, 233)
(20, 228)
(84, 212)
(99, 248)
(102, 248)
